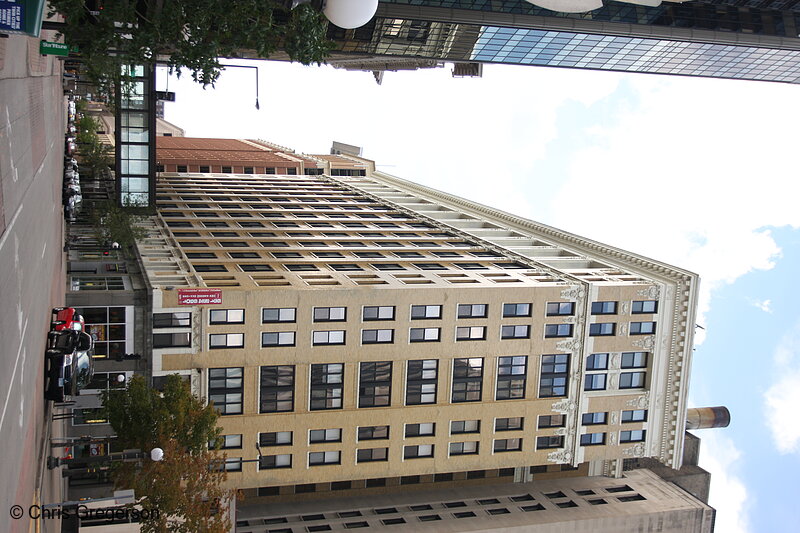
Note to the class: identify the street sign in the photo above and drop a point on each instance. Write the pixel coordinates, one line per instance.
(21, 16)
(53, 49)
(165, 95)
(199, 296)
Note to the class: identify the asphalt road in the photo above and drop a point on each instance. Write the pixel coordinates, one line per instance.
(32, 123)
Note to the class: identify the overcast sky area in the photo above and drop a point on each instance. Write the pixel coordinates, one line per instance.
(699, 173)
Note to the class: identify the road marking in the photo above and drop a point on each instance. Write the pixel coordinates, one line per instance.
(22, 396)
(13, 375)
(9, 226)
(15, 177)
(44, 249)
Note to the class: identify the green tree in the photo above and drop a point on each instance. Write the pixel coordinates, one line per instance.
(183, 492)
(118, 224)
(189, 34)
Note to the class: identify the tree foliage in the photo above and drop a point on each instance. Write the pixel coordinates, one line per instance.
(183, 492)
(189, 34)
(118, 224)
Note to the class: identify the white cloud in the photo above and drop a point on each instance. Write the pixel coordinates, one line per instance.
(765, 305)
(728, 493)
(783, 397)
(681, 178)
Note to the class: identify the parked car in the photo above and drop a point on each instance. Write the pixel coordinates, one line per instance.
(68, 363)
(66, 318)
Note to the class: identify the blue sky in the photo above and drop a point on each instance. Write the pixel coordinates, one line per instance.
(698, 173)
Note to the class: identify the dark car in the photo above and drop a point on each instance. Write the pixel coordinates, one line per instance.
(69, 364)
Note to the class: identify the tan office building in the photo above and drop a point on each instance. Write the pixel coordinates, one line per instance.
(370, 332)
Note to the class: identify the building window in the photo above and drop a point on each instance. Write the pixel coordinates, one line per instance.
(182, 168)
(172, 340)
(637, 415)
(387, 266)
(227, 442)
(375, 384)
(418, 451)
(507, 445)
(277, 389)
(324, 458)
(201, 255)
(99, 283)
(326, 386)
(553, 377)
(602, 329)
(511, 377)
(248, 170)
(644, 307)
(270, 462)
(172, 320)
(515, 332)
(424, 335)
(323, 338)
(560, 309)
(632, 380)
(634, 435)
(227, 170)
(377, 336)
(233, 244)
(371, 455)
(244, 255)
(301, 267)
(427, 429)
(471, 333)
(597, 361)
(467, 380)
(275, 438)
(225, 389)
(226, 316)
(464, 448)
(643, 328)
(373, 433)
(472, 310)
(419, 312)
(604, 308)
(330, 314)
(458, 427)
(225, 340)
(277, 338)
(557, 330)
(594, 382)
(278, 314)
(591, 419)
(552, 421)
(634, 360)
(593, 439)
(256, 268)
(378, 312)
(421, 378)
(549, 442)
(324, 435)
(516, 310)
(509, 424)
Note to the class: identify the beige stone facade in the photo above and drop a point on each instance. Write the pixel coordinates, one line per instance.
(474, 343)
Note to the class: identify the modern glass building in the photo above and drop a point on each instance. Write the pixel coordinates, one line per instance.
(740, 39)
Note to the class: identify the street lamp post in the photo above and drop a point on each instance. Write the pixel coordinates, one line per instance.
(156, 454)
(248, 66)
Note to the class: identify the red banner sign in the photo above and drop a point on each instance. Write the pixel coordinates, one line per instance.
(199, 296)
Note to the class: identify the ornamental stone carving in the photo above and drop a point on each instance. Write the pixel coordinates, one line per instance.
(560, 457)
(634, 451)
(568, 320)
(623, 330)
(612, 381)
(569, 345)
(625, 308)
(647, 342)
(652, 292)
(563, 406)
(572, 293)
(614, 418)
(561, 431)
(612, 437)
(640, 402)
(614, 360)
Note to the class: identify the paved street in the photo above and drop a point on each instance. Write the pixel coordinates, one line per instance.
(32, 123)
